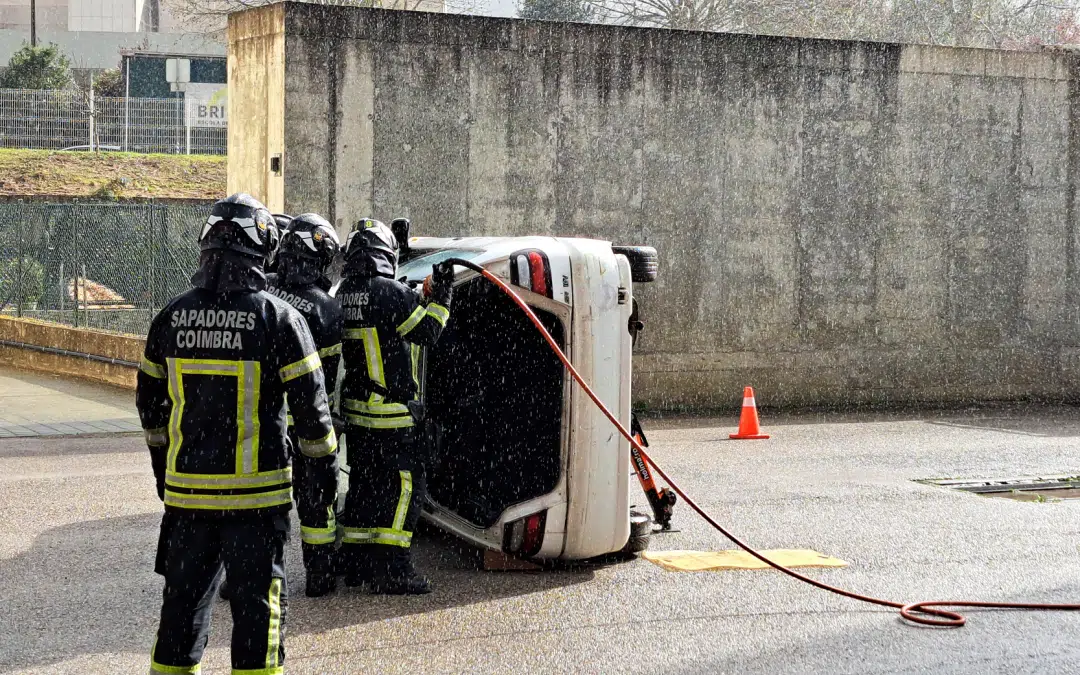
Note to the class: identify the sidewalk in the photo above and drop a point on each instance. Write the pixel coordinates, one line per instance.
(37, 404)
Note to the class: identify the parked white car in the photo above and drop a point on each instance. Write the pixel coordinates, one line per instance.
(522, 461)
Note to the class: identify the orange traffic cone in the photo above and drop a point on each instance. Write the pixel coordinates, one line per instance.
(749, 427)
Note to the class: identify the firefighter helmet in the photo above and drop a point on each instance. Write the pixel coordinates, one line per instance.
(310, 238)
(372, 248)
(239, 223)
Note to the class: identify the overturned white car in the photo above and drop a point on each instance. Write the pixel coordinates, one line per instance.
(522, 460)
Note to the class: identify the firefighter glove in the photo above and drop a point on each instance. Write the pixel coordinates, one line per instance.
(442, 274)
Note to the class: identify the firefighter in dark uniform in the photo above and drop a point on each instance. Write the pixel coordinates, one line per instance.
(386, 324)
(308, 248)
(277, 230)
(281, 226)
(219, 362)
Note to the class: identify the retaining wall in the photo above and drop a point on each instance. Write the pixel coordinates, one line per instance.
(838, 222)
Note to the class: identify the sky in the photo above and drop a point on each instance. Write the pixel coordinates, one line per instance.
(501, 8)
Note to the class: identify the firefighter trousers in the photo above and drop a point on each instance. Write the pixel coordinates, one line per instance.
(387, 487)
(315, 489)
(192, 550)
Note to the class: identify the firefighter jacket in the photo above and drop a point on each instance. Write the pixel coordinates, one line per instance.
(211, 396)
(323, 315)
(386, 324)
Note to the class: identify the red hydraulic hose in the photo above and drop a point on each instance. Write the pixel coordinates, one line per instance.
(927, 612)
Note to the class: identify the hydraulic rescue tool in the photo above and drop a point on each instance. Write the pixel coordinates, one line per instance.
(661, 500)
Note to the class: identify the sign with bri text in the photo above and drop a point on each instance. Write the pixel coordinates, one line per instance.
(207, 104)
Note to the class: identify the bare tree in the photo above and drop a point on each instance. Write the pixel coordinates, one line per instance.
(852, 19)
(209, 15)
(838, 19)
(709, 15)
(981, 23)
(976, 23)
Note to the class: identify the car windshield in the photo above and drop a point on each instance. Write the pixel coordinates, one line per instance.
(417, 269)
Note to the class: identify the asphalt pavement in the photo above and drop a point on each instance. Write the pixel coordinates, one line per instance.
(78, 521)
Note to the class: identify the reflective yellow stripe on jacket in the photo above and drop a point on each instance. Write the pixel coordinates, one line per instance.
(375, 413)
(434, 310)
(152, 369)
(258, 500)
(440, 313)
(332, 350)
(217, 491)
(300, 368)
(202, 481)
(320, 447)
(375, 408)
(380, 422)
(413, 321)
(157, 437)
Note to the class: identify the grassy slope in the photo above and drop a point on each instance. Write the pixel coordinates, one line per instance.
(110, 174)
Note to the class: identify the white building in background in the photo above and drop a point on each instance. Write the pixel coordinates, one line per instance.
(93, 33)
(112, 16)
(105, 16)
(51, 14)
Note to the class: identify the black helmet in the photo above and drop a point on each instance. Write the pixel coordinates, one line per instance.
(277, 230)
(239, 223)
(282, 221)
(371, 249)
(307, 249)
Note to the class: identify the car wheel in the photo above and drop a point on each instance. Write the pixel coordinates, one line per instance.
(644, 262)
(640, 533)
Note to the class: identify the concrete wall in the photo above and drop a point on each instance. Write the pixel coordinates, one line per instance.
(256, 78)
(838, 222)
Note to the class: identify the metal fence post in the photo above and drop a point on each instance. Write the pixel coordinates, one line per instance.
(127, 100)
(19, 274)
(75, 248)
(86, 300)
(151, 268)
(92, 112)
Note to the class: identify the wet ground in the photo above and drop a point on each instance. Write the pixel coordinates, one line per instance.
(78, 519)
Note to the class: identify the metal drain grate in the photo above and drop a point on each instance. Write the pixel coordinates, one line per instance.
(1050, 488)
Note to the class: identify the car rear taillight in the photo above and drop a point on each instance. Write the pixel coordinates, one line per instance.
(525, 536)
(532, 271)
(539, 274)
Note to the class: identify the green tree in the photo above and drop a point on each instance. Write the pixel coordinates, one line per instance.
(581, 11)
(109, 83)
(42, 67)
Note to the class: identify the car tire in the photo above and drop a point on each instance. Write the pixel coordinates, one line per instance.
(640, 533)
(644, 262)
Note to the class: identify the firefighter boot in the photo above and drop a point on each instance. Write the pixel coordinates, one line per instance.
(319, 584)
(401, 584)
(397, 576)
(358, 574)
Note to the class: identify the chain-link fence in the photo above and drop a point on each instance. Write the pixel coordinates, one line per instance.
(59, 119)
(108, 266)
